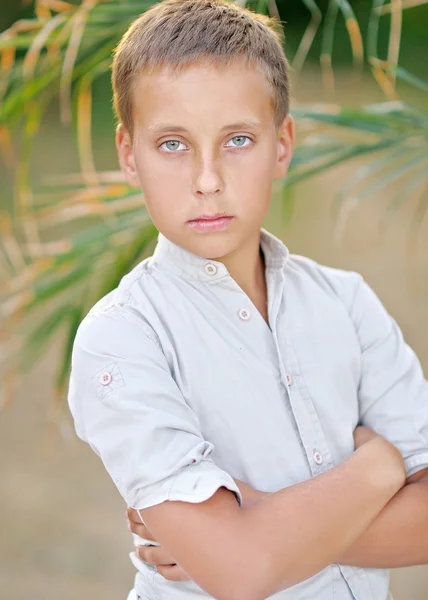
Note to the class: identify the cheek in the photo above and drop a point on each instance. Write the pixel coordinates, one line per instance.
(254, 174)
(260, 164)
(165, 210)
(160, 179)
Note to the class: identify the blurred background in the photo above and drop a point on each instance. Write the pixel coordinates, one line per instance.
(355, 198)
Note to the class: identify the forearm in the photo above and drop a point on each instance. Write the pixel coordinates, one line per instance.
(302, 529)
(398, 537)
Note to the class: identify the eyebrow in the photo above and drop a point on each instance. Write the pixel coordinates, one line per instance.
(167, 128)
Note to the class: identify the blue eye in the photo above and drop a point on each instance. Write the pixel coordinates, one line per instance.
(173, 145)
(240, 139)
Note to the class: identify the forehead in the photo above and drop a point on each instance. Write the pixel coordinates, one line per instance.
(202, 94)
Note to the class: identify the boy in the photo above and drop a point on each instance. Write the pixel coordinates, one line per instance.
(223, 359)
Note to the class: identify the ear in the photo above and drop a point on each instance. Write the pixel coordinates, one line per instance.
(285, 141)
(126, 156)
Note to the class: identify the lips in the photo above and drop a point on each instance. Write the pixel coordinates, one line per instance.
(212, 223)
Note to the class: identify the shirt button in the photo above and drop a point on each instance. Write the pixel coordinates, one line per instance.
(289, 378)
(210, 269)
(105, 378)
(318, 458)
(244, 314)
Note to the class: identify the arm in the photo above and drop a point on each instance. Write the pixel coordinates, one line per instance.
(299, 530)
(393, 398)
(398, 536)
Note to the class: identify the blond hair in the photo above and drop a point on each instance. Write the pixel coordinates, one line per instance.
(179, 33)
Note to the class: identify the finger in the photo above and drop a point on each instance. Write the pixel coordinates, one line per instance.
(133, 515)
(155, 555)
(141, 530)
(174, 573)
(134, 522)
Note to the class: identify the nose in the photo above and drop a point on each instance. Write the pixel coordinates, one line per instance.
(208, 180)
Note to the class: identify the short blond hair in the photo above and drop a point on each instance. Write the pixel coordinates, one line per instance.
(179, 33)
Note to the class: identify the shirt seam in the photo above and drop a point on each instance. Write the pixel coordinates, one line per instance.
(115, 307)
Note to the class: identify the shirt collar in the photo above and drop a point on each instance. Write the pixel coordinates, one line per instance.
(190, 266)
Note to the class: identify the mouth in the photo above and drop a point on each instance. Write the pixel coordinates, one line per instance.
(210, 222)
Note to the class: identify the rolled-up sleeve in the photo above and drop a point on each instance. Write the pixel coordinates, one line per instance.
(127, 406)
(393, 392)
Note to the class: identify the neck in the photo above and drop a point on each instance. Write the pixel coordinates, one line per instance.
(246, 267)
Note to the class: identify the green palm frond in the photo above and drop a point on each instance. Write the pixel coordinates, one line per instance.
(65, 277)
(391, 141)
(336, 135)
(49, 278)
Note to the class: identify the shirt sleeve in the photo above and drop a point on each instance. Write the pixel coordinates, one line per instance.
(393, 392)
(128, 407)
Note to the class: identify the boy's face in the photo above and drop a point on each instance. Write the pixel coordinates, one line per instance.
(192, 154)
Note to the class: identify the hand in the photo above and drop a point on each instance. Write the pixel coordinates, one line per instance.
(154, 555)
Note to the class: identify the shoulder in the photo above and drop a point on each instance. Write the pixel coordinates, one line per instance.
(313, 275)
(121, 314)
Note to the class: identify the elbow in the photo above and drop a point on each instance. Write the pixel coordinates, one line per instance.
(255, 578)
(248, 581)
(260, 579)
(236, 586)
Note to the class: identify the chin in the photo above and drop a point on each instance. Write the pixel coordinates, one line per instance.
(211, 245)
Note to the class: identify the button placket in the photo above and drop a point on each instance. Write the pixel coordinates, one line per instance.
(318, 457)
(302, 408)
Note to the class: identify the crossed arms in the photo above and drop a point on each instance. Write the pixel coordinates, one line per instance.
(358, 513)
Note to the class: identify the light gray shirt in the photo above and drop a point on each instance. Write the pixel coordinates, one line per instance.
(179, 385)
